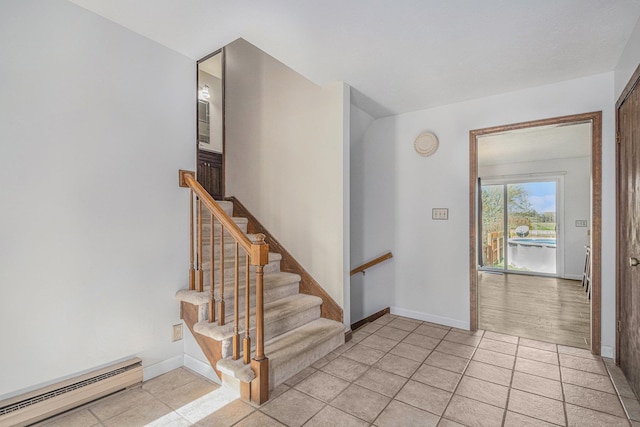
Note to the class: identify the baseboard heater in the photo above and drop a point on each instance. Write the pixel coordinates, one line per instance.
(56, 398)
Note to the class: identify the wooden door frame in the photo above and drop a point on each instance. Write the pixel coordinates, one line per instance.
(596, 212)
(633, 82)
(223, 59)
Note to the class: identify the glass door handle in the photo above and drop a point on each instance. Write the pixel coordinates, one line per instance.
(633, 262)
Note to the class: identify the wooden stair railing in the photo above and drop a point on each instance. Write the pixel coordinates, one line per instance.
(257, 254)
(363, 267)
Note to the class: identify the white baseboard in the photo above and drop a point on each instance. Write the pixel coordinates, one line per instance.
(573, 276)
(607, 351)
(430, 318)
(163, 367)
(203, 368)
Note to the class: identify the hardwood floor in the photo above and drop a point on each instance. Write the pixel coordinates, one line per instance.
(541, 308)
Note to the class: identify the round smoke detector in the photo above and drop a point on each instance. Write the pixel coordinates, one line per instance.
(426, 144)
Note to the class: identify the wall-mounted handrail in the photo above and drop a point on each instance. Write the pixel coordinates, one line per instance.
(371, 263)
(257, 255)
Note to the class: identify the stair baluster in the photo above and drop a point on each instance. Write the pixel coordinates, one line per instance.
(221, 303)
(200, 270)
(247, 339)
(236, 297)
(192, 271)
(212, 288)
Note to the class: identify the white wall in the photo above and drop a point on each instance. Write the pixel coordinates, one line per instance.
(95, 122)
(372, 217)
(285, 159)
(628, 61)
(576, 176)
(432, 257)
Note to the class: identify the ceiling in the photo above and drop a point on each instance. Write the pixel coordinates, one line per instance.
(399, 55)
(535, 144)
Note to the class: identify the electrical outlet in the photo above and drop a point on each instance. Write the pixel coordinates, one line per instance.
(581, 222)
(440, 213)
(177, 332)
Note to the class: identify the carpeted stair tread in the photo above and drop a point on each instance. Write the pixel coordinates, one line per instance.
(229, 262)
(273, 312)
(271, 280)
(226, 206)
(283, 348)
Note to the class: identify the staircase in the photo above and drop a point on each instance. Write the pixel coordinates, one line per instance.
(294, 333)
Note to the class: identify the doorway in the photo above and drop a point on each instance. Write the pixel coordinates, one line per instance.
(210, 123)
(517, 243)
(628, 246)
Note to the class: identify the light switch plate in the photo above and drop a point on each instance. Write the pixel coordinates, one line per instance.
(581, 223)
(440, 213)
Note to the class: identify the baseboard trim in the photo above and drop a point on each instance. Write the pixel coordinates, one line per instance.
(348, 335)
(371, 318)
(454, 323)
(573, 276)
(202, 368)
(607, 351)
(163, 367)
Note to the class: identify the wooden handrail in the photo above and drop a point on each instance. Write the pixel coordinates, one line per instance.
(371, 263)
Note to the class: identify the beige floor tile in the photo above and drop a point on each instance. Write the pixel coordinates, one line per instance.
(619, 380)
(537, 385)
(424, 397)
(361, 402)
(455, 349)
(635, 423)
(587, 379)
(583, 417)
(322, 386)
(370, 328)
(331, 416)
(483, 391)
(278, 391)
(151, 412)
(381, 381)
(448, 423)
(121, 402)
(431, 331)
(170, 381)
(473, 413)
(305, 373)
(491, 373)
(324, 360)
(258, 419)
(518, 420)
(493, 358)
(399, 414)
(178, 397)
(379, 343)
(540, 369)
(344, 368)
(541, 345)
(535, 406)
(447, 361)
(632, 406)
(462, 338)
(404, 324)
(593, 399)
(344, 347)
(358, 336)
(392, 333)
(410, 352)
(437, 377)
(437, 325)
(363, 354)
(397, 365)
(497, 346)
(476, 333)
(590, 365)
(501, 337)
(578, 352)
(423, 341)
(228, 415)
(81, 418)
(292, 408)
(383, 320)
(538, 355)
(410, 319)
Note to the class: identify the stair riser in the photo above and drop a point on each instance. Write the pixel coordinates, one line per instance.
(278, 327)
(229, 273)
(269, 296)
(227, 207)
(278, 374)
(206, 228)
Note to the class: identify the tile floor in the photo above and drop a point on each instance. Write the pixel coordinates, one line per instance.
(397, 372)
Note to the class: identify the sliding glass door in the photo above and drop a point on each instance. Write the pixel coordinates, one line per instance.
(519, 225)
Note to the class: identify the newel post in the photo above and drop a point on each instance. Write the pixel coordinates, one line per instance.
(260, 363)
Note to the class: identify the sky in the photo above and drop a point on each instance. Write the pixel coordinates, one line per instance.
(542, 195)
